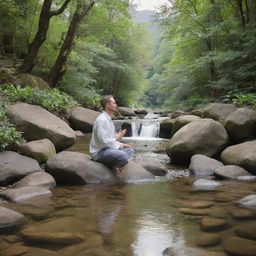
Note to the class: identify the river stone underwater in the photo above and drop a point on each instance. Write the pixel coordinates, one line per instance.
(133, 220)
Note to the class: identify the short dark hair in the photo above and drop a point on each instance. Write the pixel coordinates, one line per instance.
(105, 99)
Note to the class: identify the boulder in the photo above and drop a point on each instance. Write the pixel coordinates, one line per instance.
(10, 218)
(40, 150)
(37, 123)
(141, 111)
(166, 128)
(218, 111)
(248, 201)
(182, 121)
(33, 81)
(205, 136)
(154, 167)
(240, 246)
(14, 166)
(198, 112)
(78, 168)
(201, 165)
(205, 184)
(241, 123)
(24, 193)
(42, 179)
(126, 111)
(230, 172)
(83, 119)
(243, 154)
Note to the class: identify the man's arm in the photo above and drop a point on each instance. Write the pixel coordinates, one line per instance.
(104, 136)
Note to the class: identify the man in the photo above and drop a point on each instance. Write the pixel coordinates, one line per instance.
(105, 145)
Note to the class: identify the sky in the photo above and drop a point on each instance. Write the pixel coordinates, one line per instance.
(148, 4)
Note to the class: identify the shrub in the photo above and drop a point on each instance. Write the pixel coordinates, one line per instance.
(241, 99)
(9, 136)
(53, 100)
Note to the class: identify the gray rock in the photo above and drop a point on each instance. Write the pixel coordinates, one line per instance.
(218, 111)
(78, 168)
(141, 111)
(124, 111)
(24, 193)
(10, 218)
(182, 121)
(198, 112)
(37, 123)
(204, 136)
(241, 123)
(40, 150)
(230, 172)
(14, 166)
(83, 119)
(201, 165)
(247, 178)
(240, 246)
(248, 201)
(206, 184)
(243, 154)
(41, 179)
(166, 128)
(154, 167)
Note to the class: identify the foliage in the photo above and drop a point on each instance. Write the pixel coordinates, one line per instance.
(9, 136)
(211, 52)
(53, 100)
(242, 99)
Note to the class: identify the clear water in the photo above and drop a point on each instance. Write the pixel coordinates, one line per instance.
(128, 220)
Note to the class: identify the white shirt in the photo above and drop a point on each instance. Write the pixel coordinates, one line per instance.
(103, 135)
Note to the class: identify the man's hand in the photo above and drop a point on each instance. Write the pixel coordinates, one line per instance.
(120, 134)
(128, 145)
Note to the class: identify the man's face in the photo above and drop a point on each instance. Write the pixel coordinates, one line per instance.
(111, 106)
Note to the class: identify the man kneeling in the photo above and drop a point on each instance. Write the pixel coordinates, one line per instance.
(105, 145)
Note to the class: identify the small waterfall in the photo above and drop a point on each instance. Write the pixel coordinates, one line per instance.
(145, 129)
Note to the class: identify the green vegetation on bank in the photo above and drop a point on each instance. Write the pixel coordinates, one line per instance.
(55, 101)
(207, 51)
(107, 54)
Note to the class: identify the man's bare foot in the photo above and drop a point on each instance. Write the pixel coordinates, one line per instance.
(118, 172)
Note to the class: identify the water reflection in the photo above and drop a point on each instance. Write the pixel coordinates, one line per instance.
(153, 236)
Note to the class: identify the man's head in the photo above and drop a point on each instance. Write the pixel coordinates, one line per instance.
(108, 103)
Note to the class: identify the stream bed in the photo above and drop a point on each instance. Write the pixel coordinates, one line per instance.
(143, 219)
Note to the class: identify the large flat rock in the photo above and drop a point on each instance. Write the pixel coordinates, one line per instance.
(14, 166)
(24, 193)
(10, 218)
(77, 168)
(37, 123)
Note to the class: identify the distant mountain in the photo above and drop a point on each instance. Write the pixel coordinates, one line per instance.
(149, 18)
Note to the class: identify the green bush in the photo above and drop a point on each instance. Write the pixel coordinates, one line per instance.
(9, 136)
(53, 100)
(241, 99)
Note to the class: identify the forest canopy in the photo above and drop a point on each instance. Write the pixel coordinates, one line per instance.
(205, 50)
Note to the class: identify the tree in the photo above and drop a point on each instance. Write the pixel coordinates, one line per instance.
(43, 26)
(59, 68)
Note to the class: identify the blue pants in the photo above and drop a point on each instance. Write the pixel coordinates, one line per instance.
(115, 157)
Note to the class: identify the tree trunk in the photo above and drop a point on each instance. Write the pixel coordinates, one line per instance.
(240, 6)
(59, 67)
(43, 26)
